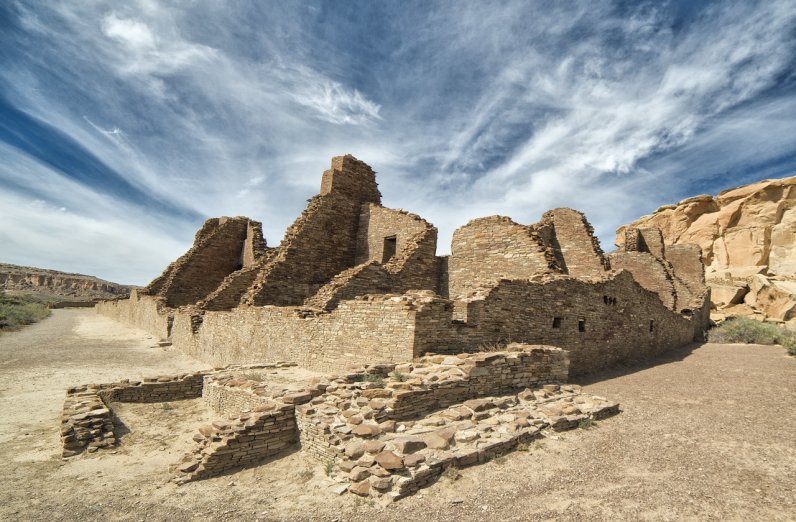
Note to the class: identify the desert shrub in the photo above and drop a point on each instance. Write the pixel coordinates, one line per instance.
(16, 311)
(749, 331)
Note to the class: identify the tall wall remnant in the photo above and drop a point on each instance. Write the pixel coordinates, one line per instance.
(354, 282)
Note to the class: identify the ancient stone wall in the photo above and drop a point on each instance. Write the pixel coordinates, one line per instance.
(356, 332)
(247, 440)
(686, 259)
(87, 420)
(218, 250)
(411, 263)
(600, 323)
(380, 227)
(648, 271)
(322, 242)
(574, 243)
(143, 311)
(230, 292)
(254, 246)
(488, 249)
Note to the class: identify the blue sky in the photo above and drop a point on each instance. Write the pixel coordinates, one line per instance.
(124, 125)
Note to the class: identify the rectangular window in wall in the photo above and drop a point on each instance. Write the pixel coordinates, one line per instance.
(582, 325)
(652, 325)
(390, 245)
(556, 322)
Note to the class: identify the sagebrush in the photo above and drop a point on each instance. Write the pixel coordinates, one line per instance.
(749, 331)
(16, 311)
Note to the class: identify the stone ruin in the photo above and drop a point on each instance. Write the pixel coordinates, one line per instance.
(421, 362)
(353, 282)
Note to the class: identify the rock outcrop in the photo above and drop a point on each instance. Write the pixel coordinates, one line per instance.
(58, 286)
(748, 241)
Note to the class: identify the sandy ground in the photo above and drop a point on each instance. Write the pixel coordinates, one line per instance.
(706, 433)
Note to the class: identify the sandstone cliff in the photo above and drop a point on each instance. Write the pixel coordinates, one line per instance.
(748, 241)
(58, 286)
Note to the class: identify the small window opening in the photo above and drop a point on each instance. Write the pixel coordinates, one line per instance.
(390, 244)
(556, 322)
(582, 325)
(606, 300)
(652, 325)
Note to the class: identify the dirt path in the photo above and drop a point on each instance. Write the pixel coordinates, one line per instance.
(706, 434)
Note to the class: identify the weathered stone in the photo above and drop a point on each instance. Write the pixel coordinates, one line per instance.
(374, 446)
(467, 436)
(479, 404)
(354, 449)
(414, 460)
(360, 488)
(359, 473)
(366, 430)
(409, 444)
(389, 460)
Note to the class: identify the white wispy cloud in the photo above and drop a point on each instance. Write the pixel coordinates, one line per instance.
(464, 109)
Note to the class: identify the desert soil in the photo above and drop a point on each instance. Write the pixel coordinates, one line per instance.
(705, 433)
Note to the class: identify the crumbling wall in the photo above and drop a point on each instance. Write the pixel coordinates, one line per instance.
(674, 272)
(377, 224)
(87, 420)
(218, 250)
(254, 246)
(649, 272)
(686, 260)
(322, 242)
(411, 265)
(488, 249)
(230, 292)
(576, 247)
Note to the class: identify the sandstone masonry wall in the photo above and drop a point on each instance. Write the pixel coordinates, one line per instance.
(218, 250)
(357, 332)
(87, 420)
(575, 244)
(322, 242)
(143, 311)
(488, 249)
(620, 321)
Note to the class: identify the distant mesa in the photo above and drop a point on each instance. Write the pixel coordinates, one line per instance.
(60, 288)
(748, 240)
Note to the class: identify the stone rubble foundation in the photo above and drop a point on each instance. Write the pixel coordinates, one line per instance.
(383, 430)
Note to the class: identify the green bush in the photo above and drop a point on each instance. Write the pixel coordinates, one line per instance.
(16, 311)
(749, 331)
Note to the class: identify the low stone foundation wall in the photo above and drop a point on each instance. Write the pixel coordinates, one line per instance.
(87, 420)
(247, 440)
(465, 376)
